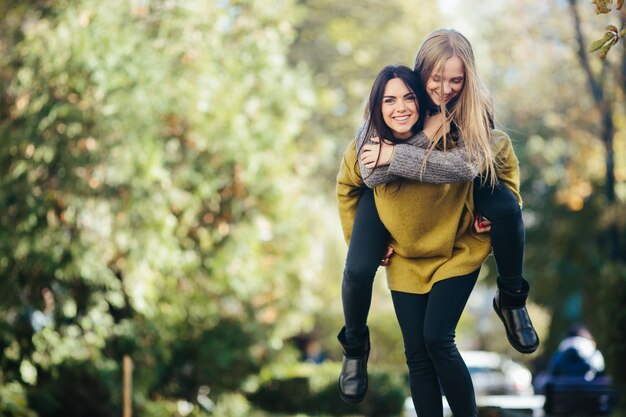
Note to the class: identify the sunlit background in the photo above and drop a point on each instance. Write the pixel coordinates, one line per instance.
(167, 196)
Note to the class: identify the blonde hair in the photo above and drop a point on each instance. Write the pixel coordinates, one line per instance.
(472, 111)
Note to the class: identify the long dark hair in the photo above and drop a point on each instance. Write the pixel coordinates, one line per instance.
(375, 124)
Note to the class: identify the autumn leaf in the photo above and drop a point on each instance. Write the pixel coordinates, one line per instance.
(602, 6)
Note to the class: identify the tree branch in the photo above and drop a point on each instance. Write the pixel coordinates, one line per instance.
(596, 89)
(607, 127)
(622, 78)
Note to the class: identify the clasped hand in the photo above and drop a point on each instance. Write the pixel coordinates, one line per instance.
(370, 153)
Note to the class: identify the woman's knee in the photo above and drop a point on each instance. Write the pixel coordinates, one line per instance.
(506, 208)
(417, 358)
(509, 210)
(421, 365)
(359, 274)
(438, 342)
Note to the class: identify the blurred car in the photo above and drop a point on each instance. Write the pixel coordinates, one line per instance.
(496, 374)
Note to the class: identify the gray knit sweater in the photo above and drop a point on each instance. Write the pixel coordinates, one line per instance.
(442, 167)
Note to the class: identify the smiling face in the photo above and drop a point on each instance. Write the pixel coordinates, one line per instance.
(399, 108)
(446, 83)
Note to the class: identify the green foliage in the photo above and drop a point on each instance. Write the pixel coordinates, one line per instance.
(13, 401)
(168, 408)
(150, 204)
(223, 351)
(78, 389)
(612, 318)
(312, 389)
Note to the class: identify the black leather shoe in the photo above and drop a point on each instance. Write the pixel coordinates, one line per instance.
(511, 308)
(353, 377)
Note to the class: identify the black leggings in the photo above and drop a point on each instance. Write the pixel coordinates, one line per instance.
(428, 323)
(500, 206)
(370, 238)
(368, 242)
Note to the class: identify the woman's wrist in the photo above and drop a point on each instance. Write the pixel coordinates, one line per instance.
(387, 150)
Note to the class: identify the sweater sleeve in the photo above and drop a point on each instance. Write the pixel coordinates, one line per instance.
(349, 189)
(442, 167)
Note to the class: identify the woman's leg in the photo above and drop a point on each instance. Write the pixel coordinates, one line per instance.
(428, 323)
(445, 304)
(500, 206)
(425, 391)
(367, 245)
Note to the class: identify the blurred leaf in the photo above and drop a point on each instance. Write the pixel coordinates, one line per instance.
(602, 6)
(611, 37)
(596, 45)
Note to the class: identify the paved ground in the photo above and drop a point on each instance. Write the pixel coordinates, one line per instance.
(517, 405)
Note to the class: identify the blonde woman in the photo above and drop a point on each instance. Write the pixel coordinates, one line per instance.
(437, 256)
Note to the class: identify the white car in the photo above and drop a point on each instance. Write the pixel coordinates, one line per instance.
(496, 374)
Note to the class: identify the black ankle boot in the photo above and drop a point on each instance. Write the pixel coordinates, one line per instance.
(353, 378)
(511, 308)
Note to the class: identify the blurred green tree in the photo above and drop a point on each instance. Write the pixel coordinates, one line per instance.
(149, 194)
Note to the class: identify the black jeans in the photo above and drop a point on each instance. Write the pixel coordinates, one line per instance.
(369, 240)
(428, 323)
(500, 206)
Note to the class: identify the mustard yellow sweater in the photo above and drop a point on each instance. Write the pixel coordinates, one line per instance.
(430, 224)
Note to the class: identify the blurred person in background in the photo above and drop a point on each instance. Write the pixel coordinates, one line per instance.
(575, 382)
(577, 355)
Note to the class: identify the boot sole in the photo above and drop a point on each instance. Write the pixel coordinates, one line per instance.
(512, 341)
